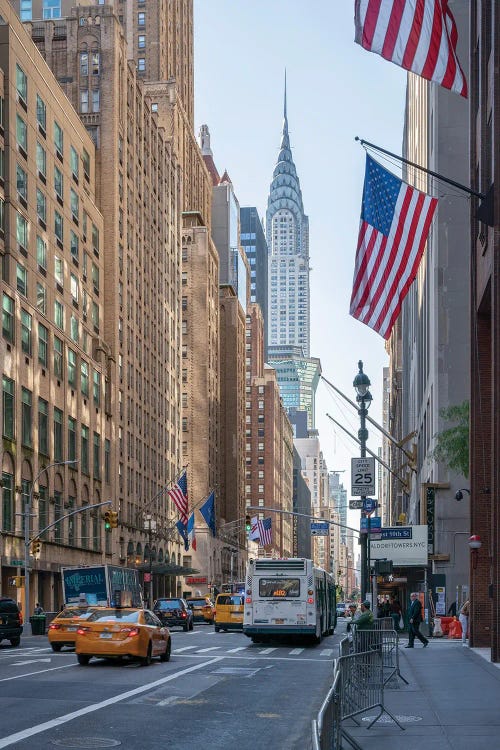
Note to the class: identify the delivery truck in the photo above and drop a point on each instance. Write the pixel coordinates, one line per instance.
(102, 585)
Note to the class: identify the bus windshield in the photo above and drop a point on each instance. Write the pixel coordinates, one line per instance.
(279, 588)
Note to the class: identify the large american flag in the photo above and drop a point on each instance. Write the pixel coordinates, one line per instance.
(395, 223)
(418, 35)
(264, 531)
(179, 496)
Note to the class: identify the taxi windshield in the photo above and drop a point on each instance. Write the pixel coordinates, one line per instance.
(115, 615)
(75, 612)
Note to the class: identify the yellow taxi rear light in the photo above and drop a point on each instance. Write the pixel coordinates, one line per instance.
(54, 626)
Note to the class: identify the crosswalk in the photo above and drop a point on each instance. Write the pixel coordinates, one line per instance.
(254, 651)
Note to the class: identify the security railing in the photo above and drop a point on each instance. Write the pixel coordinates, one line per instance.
(384, 641)
(326, 728)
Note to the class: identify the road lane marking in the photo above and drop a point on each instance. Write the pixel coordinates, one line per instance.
(40, 671)
(234, 650)
(326, 652)
(185, 648)
(204, 650)
(296, 651)
(11, 739)
(266, 650)
(29, 661)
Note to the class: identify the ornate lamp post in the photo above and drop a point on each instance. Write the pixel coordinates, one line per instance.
(361, 385)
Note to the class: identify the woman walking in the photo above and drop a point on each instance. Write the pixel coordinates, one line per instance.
(464, 621)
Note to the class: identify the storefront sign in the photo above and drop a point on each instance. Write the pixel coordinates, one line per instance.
(402, 551)
(190, 580)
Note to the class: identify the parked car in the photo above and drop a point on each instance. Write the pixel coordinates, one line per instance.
(203, 609)
(228, 614)
(111, 633)
(341, 609)
(11, 621)
(174, 611)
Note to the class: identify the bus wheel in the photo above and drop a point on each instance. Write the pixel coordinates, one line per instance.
(256, 639)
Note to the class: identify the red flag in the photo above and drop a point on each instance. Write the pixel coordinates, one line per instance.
(418, 35)
(395, 223)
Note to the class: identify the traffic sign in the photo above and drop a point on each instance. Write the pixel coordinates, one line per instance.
(320, 528)
(355, 504)
(369, 504)
(363, 525)
(376, 525)
(362, 476)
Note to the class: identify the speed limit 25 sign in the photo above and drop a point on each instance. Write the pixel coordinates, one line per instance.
(362, 476)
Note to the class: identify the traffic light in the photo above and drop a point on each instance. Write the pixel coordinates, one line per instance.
(36, 547)
(107, 520)
(113, 519)
(248, 523)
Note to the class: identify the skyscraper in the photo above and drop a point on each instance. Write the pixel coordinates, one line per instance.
(253, 242)
(287, 230)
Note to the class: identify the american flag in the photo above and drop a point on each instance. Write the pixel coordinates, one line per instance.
(264, 531)
(395, 223)
(418, 35)
(179, 496)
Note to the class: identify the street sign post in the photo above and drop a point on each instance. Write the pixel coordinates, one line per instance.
(320, 528)
(363, 476)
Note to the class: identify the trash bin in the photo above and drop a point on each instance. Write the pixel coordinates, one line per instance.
(37, 623)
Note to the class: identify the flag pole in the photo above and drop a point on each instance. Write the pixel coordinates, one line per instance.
(458, 185)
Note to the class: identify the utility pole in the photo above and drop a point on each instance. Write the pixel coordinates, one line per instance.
(361, 384)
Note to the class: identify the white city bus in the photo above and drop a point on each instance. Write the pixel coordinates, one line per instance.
(288, 597)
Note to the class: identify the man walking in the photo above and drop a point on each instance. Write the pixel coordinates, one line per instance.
(414, 619)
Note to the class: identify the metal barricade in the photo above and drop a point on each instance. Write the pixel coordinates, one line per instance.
(386, 642)
(383, 623)
(361, 689)
(326, 728)
(345, 646)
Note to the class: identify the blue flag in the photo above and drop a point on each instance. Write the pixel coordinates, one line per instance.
(207, 510)
(183, 532)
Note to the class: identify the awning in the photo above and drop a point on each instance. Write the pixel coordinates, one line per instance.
(166, 569)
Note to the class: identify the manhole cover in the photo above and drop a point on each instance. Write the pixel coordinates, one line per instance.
(94, 742)
(384, 719)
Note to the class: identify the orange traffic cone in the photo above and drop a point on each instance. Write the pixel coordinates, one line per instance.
(455, 629)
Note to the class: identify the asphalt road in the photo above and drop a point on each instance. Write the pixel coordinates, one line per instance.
(218, 691)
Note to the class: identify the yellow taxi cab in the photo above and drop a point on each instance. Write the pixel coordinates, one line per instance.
(202, 608)
(228, 613)
(62, 629)
(112, 633)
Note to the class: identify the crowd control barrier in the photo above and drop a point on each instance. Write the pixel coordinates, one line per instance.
(326, 729)
(384, 641)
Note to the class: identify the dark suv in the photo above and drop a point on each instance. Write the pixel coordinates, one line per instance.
(11, 624)
(174, 612)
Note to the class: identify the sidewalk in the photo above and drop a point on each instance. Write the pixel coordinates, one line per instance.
(451, 703)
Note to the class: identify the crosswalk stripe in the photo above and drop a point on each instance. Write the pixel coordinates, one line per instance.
(234, 650)
(204, 650)
(186, 648)
(266, 650)
(296, 651)
(326, 652)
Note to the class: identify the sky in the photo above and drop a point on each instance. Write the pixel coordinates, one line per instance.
(335, 91)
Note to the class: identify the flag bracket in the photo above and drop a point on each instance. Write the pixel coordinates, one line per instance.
(484, 215)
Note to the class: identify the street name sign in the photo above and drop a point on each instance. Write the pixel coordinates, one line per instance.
(320, 528)
(397, 532)
(355, 504)
(402, 550)
(363, 525)
(362, 476)
(19, 563)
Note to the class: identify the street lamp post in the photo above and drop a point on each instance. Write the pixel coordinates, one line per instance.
(27, 528)
(361, 384)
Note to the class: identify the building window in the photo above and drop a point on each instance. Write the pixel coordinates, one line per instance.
(22, 183)
(84, 377)
(8, 403)
(107, 461)
(96, 387)
(43, 426)
(96, 100)
(74, 244)
(51, 9)
(84, 101)
(141, 19)
(26, 323)
(141, 64)
(41, 111)
(59, 314)
(58, 357)
(58, 226)
(74, 329)
(95, 239)
(21, 84)
(75, 288)
(43, 509)
(41, 206)
(8, 507)
(43, 344)
(26, 417)
(58, 434)
(86, 163)
(84, 63)
(58, 138)
(74, 204)
(41, 160)
(26, 10)
(71, 439)
(97, 456)
(41, 252)
(59, 270)
(141, 41)
(73, 157)
(95, 278)
(22, 231)
(58, 182)
(8, 317)
(21, 133)
(84, 457)
(71, 367)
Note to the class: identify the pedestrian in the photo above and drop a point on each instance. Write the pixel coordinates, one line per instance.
(351, 615)
(414, 619)
(396, 612)
(364, 621)
(38, 609)
(464, 620)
